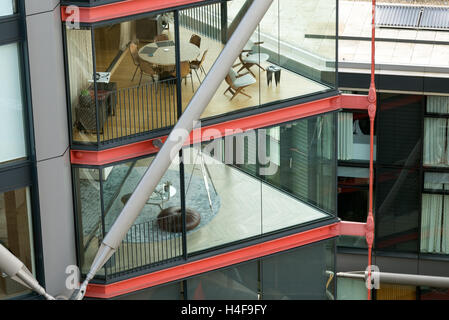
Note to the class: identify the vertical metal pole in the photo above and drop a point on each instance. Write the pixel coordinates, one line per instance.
(181, 162)
(372, 115)
(224, 21)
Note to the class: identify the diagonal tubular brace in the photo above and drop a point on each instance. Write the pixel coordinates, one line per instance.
(176, 139)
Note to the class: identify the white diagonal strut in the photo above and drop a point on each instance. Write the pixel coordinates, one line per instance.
(177, 137)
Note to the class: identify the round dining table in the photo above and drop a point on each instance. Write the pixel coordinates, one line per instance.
(162, 53)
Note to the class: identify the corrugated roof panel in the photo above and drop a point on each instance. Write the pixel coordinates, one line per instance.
(397, 16)
(435, 18)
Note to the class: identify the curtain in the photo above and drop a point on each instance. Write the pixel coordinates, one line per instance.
(436, 133)
(435, 223)
(437, 104)
(125, 34)
(345, 136)
(435, 142)
(445, 227)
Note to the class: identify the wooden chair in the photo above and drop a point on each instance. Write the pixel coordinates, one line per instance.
(147, 69)
(198, 65)
(161, 37)
(196, 40)
(135, 55)
(185, 72)
(238, 82)
(248, 58)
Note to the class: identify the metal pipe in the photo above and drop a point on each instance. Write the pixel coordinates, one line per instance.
(399, 278)
(177, 137)
(13, 267)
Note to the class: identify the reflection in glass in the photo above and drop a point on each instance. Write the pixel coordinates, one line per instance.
(238, 282)
(82, 95)
(303, 273)
(89, 217)
(8, 7)
(13, 143)
(16, 235)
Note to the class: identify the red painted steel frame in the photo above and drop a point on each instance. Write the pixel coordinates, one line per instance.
(225, 259)
(211, 263)
(372, 114)
(222, 129)
(121, 9)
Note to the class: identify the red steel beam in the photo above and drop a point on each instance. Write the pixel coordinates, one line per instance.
(120, 9)
(211, 263)
(225, 259)
(257, 121)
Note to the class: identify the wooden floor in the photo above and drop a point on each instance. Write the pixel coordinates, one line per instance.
(248, 208)
(146, 108)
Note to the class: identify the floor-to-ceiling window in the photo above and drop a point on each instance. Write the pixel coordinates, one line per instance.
(18, 194)
(131, 77)
(435, 196)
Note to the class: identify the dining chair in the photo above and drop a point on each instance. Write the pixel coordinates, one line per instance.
(161, 37)
(135, 55)
(147, 69)
(196, 40)
(238, 82)
(185, 72)
(198, 65)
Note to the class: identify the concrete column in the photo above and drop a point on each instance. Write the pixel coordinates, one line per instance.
(48, 94)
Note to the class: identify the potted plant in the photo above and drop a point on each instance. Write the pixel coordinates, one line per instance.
(85, 98)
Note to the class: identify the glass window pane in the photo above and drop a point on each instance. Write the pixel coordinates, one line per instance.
(89, 219)
(397, 207)
(136, 78)
(351, 289)
(436, 181)
(238, 282)
(272, 66)
(16, 235)
(354, 137)
(8, 7)
(302, 273)
(81, 73)
(399, 126)
(12, 130)
(435, 223)
(227, 199)
(435, 151)
(155, 236)
(307, 169)
(437, 104)
(170, 291)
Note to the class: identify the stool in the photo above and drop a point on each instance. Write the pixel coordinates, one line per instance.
(277, 74)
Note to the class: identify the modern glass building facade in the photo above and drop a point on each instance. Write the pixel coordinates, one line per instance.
(256, 204)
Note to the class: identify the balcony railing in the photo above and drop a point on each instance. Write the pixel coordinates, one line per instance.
(146, 245)
(137, 110)
(205, 20)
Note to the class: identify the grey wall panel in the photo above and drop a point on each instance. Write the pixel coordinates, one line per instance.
(351, 262)
(396, 265)
(47, 83)
(39, 6)
(434, 268)
(57, 222)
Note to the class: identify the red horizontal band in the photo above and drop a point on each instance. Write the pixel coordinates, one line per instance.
(211, 263)
(120, 9)
(222, 129)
